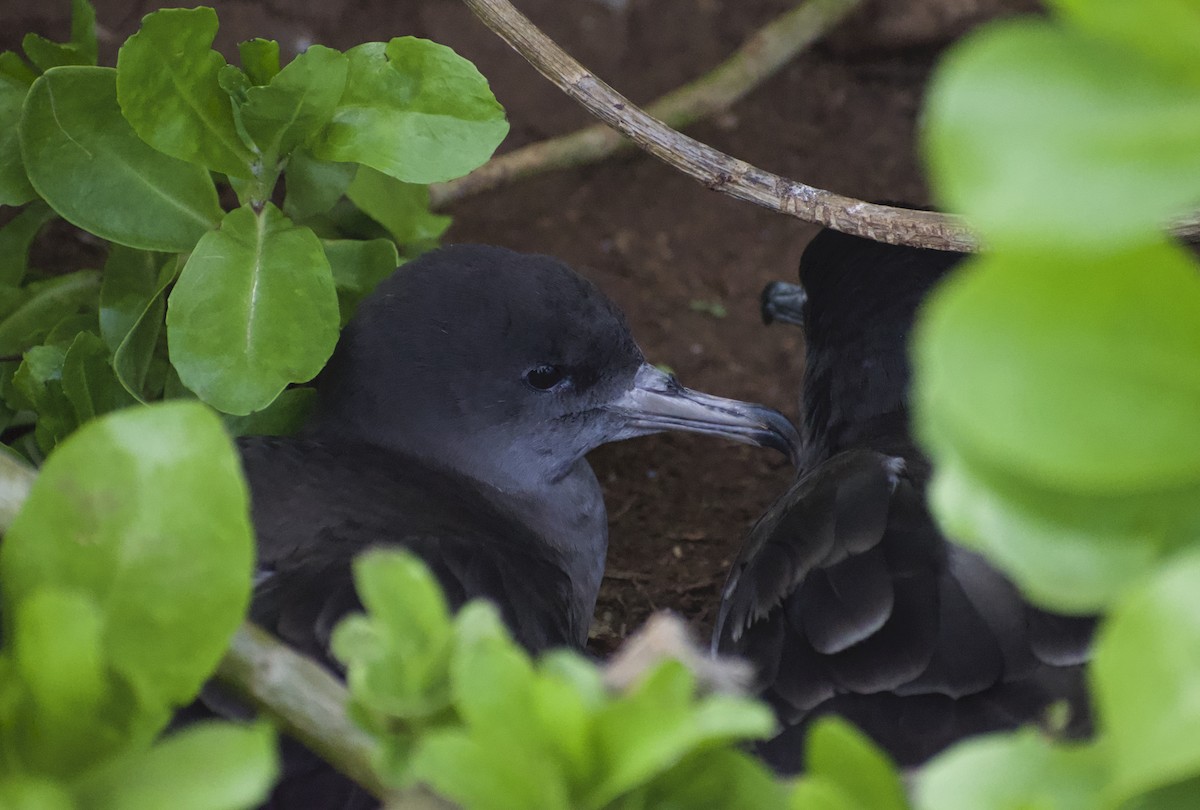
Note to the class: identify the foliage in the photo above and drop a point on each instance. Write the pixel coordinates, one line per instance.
(1057, 385)
(125, 574)
(196, 301)
(454, 703)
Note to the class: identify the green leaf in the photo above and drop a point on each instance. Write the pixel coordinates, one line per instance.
(841, 753)
(414, 110)
(15, 239)
(130, 282)
(1061, 335)
(37, 386)
(14, 184)
(1014, 772)
(88, 379)
(402, 208)
(658, 724)
(82, 48)
(144, 511)
(13, 70)
(1165, 30)
(91, 167)
(134, 358)
(254, 309)
(23, 792)
(1047, 137)
(398, 656)
(358, 266)
(720, 779)
(298, 102)
(169, 91)
(313, 186)
(47, 303)
(283, 417)
(1061, 402)
(46, 54)
(260, 59)
(819, 793)
(478, 776)
(207, 766)
(56, 644)
(1147, 676)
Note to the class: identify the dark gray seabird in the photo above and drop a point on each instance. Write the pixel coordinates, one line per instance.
(453, 420)
(846, 596)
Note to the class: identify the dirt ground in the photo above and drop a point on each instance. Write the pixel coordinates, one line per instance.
(686, 264)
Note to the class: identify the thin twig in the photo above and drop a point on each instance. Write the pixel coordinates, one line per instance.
(306, 700)
(760, 57)
(719, 171)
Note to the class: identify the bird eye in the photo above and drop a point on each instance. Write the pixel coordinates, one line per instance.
(545, 376)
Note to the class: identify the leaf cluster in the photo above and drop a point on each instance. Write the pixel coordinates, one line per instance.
(455, 704)
(125, 574)
(230, 306)
(1057, 385)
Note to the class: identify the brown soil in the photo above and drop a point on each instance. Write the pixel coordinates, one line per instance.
(667, 250)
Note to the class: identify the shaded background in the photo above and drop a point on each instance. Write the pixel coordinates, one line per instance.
(686, 264)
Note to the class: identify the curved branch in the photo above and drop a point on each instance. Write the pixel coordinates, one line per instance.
(303, 698)
(731, 176)
(759, 58)
(713, 168)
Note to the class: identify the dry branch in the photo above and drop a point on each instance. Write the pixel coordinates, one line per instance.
(719, 171)
(759, 58)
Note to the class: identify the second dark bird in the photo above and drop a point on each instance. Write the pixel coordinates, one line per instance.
(846, 596)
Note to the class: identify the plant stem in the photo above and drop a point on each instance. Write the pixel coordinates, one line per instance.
(306, 700)
(759, 58)
(720, 172)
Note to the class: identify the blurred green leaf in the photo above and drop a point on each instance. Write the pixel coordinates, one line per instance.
(260, 59)
(358, 266)
(14, 184)
(1147, 676)
(144, 511)
(656, 725)
(1047, 137)
(839, 752)
(21, 792)
(207, 766)
(169, 92)
(397, 656)
(91, 167)
(46, 304)
(818, 793)
(1061, 401)
(1015, 771)
(17, 236)
(313, 186)
(1167, 31)
(56, 646)
(414, 110)
(402, 208)
(253, 310)
(298, 102)
(720, 779)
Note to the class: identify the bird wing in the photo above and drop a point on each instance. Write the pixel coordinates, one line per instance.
(317, 506)
(847, 587)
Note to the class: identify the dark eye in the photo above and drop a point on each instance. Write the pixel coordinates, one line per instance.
(545, 376)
